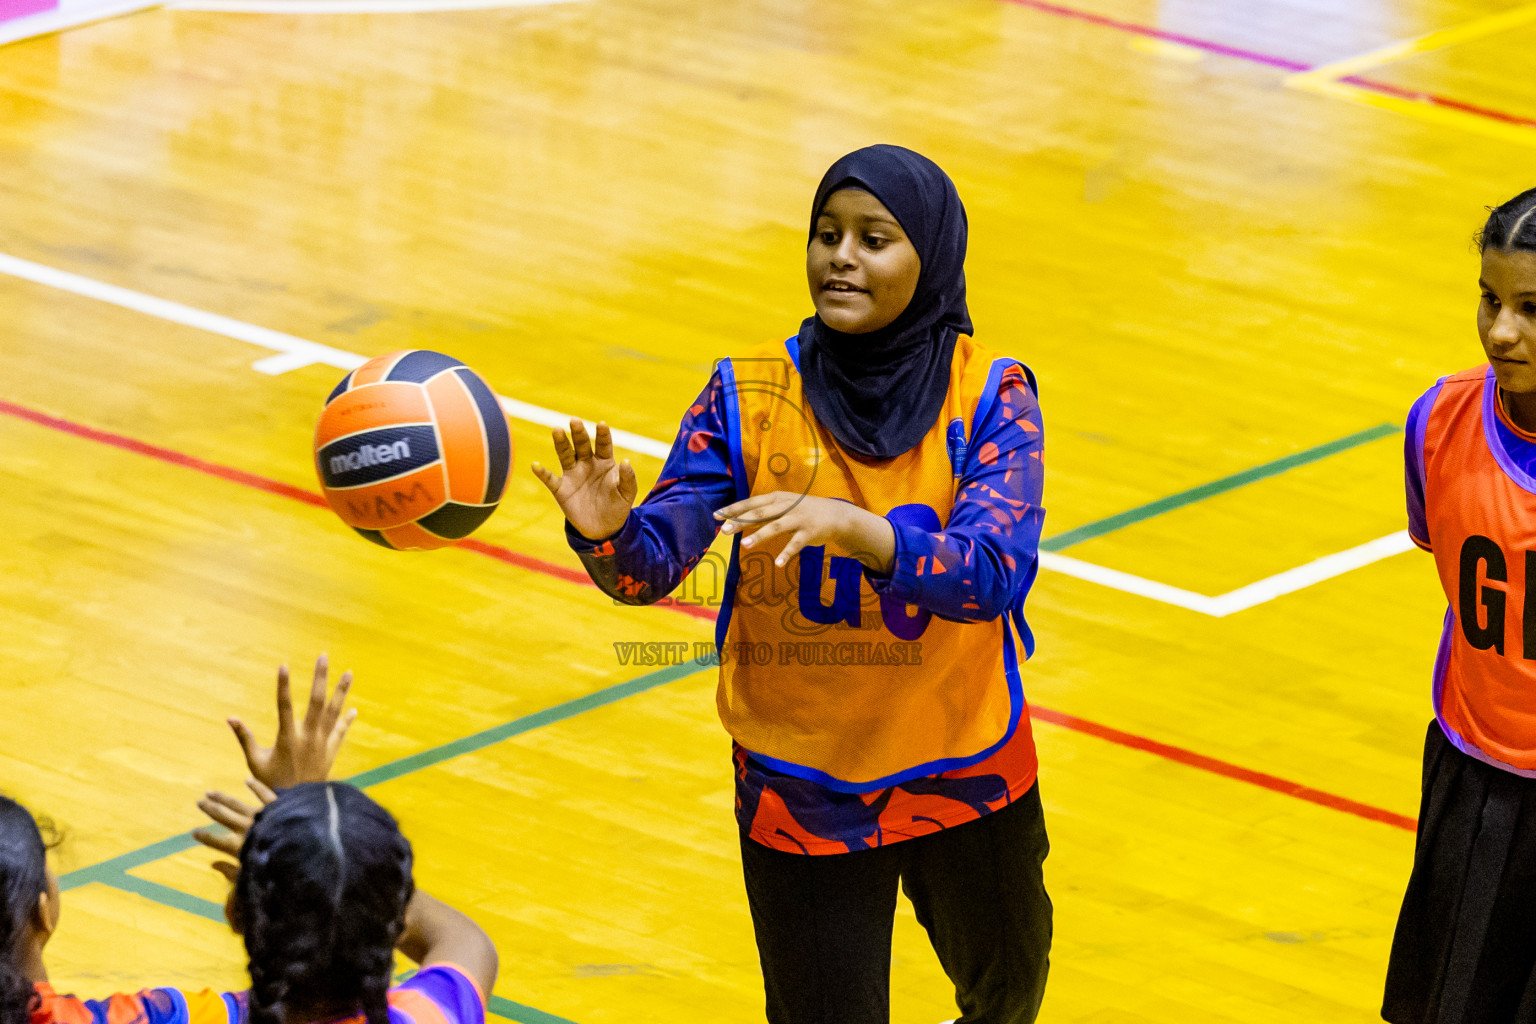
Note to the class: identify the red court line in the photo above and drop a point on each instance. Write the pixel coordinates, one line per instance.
(1419, 96)
(277, 487)
(154, 451)
(1232, 771)
(501, 554)
(1270, 60)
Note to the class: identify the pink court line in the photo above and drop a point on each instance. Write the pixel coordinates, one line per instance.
(1220, 49)
(539, 565)
(1270, 60)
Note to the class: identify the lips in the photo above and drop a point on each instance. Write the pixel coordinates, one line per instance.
(841, 288)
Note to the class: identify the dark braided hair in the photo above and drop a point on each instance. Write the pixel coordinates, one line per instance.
(325, 877)
(23, 878)
(1511, 226)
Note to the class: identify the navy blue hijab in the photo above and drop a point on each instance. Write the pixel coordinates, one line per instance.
(879, 393)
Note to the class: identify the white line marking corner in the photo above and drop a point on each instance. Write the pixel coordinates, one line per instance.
(1242, 598)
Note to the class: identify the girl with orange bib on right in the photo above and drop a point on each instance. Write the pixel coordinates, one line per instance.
(1465, 948)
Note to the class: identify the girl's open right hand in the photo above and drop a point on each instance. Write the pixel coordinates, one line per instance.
(236, 817)
(595, 492)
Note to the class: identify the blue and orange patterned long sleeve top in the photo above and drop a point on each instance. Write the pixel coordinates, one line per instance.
(969, 571)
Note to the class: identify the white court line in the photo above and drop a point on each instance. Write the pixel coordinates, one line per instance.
(551, 418)
(1242, 598)
(293, 353)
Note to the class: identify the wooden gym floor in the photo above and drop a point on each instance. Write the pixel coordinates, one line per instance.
(1232, 239)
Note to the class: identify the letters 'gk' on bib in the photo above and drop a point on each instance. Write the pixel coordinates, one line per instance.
(413, 450)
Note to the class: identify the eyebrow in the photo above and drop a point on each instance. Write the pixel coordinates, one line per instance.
(880, 219)
(1519, 295)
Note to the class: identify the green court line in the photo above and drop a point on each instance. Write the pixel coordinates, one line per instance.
(166, 895)
(537, 720)
(503, 1007)
(1120, 520)
(109, 871)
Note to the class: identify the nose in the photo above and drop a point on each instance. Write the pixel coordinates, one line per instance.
(1504, 333)
(845, 256)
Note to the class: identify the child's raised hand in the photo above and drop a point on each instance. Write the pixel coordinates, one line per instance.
(236, 816)
(595, 492)
(305, 753)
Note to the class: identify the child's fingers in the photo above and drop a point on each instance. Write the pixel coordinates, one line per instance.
(580, 440)
(284, 702)
(792, 549)
(316, 707)
(763, 508)
(755, 535)
(224, 842)
(563, 450)
(248, 742)
(735, 509)
(548, 479)
(234, 804)
(339, 734)
(628, 485)
(231, 872)
(603, 446)
(338, 701)
(263, 792)
(226, 810)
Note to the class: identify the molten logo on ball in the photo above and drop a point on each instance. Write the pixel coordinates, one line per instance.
(370, 455)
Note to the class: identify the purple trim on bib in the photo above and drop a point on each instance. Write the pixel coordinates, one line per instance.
(1495, 443)
(1472, 750)
(1442, 663)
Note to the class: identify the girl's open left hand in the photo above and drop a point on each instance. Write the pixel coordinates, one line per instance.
(810, 521)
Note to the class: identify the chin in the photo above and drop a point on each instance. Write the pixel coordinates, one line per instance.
(844, 323)
(1516, 380)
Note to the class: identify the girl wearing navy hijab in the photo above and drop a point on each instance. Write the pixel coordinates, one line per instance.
(880, 473)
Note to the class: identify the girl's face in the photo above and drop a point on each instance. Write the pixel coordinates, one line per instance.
(861, 267)
(1506, 318)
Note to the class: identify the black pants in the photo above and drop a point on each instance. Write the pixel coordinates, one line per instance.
(1465, 947)
(824, 923)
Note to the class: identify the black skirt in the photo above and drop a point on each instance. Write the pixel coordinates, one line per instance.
(1465, 947)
